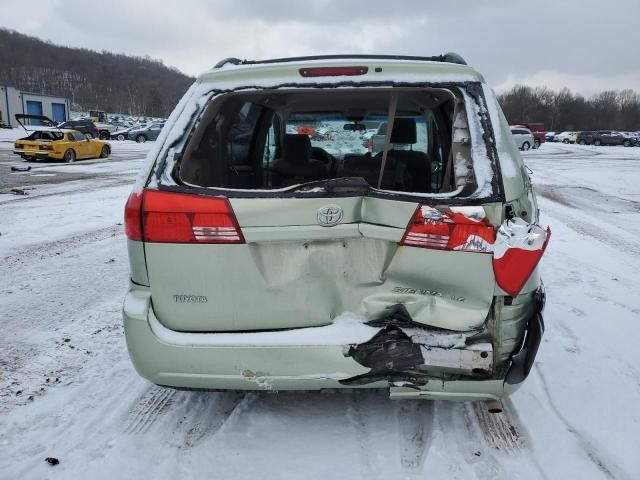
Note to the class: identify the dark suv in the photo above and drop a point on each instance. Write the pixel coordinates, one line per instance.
(585, 138)
(605, 137)
(83, 126)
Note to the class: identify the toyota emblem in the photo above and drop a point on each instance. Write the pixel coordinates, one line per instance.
(329, 215)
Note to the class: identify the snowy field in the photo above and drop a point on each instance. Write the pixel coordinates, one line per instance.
(68, 390)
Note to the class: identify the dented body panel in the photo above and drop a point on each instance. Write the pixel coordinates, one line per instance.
(171, 358)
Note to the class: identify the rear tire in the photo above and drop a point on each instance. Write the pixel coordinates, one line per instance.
(566, 140)
(597, 143)
(104, 135)
(141, 139)
(105, 152)
(70, 156)
(536, 144)
(120, 137)
(526, 146)
(626, 143)
(582, 142)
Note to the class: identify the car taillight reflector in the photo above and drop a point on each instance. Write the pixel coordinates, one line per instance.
(46, 147)
(169, 217)
(333, 71)
(460, 230)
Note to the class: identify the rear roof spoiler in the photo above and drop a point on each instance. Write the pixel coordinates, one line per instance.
(44, 120)
(450, 57)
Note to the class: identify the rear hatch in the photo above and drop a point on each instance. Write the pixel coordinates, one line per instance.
(265, 258)
(293, 272)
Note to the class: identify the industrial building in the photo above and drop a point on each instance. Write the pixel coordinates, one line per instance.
(14, 101)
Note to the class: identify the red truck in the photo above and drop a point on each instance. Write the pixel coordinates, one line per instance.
(538, 131)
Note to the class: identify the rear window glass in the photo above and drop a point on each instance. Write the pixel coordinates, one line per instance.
(278, 139)
(43, 135)
(76, 136)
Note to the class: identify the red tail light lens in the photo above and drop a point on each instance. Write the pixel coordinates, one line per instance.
(46, 147)
(333, 71)
(463, 228)
(169, 217)
(132, 217)
(518, 250)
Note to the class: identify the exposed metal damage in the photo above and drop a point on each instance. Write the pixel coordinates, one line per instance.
(406, 352)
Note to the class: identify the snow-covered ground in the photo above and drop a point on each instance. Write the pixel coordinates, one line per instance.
(68, 390)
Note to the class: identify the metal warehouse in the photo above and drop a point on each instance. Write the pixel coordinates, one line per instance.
(14, 101)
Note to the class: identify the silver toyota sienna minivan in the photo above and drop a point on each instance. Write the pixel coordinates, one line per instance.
(345, 221)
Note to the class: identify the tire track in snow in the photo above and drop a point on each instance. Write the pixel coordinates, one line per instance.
(592, 450)
(580, 226)
(415, 422)
(106, 182)
(205, 413)
(148, 409)
(46, 250)
(360, 416)
(569, 338)
(455, 421)
(499, 430)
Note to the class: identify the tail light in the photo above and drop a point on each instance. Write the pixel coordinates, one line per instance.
(370, 145)
(169, 217)
(133, 216)
(462, 228)
(333, 71)
(518, 249)
(46, 147)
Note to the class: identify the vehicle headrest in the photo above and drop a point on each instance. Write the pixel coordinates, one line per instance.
(297, 148)
(404, 131)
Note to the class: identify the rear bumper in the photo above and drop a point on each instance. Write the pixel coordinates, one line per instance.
(176, 361)
(40, 155)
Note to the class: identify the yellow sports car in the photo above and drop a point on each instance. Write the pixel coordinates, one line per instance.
(51, 143)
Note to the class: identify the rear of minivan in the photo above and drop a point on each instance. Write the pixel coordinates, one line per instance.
(269, 249)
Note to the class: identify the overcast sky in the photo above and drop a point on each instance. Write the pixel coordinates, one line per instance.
(586, 45)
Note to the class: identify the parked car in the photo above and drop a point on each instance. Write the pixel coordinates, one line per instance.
(283, 266)
(145, 133)
(585, 137)
(607, 137)
(636, 138)
(121, 134)
(537, 130)
(105, 130)
(566, 137)
(87, 127)
(550, 136)
(375, 142)
(522, 137)
(51, 143)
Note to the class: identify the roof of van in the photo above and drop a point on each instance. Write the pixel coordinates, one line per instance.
(384, 68)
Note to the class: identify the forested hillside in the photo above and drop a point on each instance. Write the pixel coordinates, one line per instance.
(91, 80)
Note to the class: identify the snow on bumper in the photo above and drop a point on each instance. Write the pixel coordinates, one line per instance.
(287, 360)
